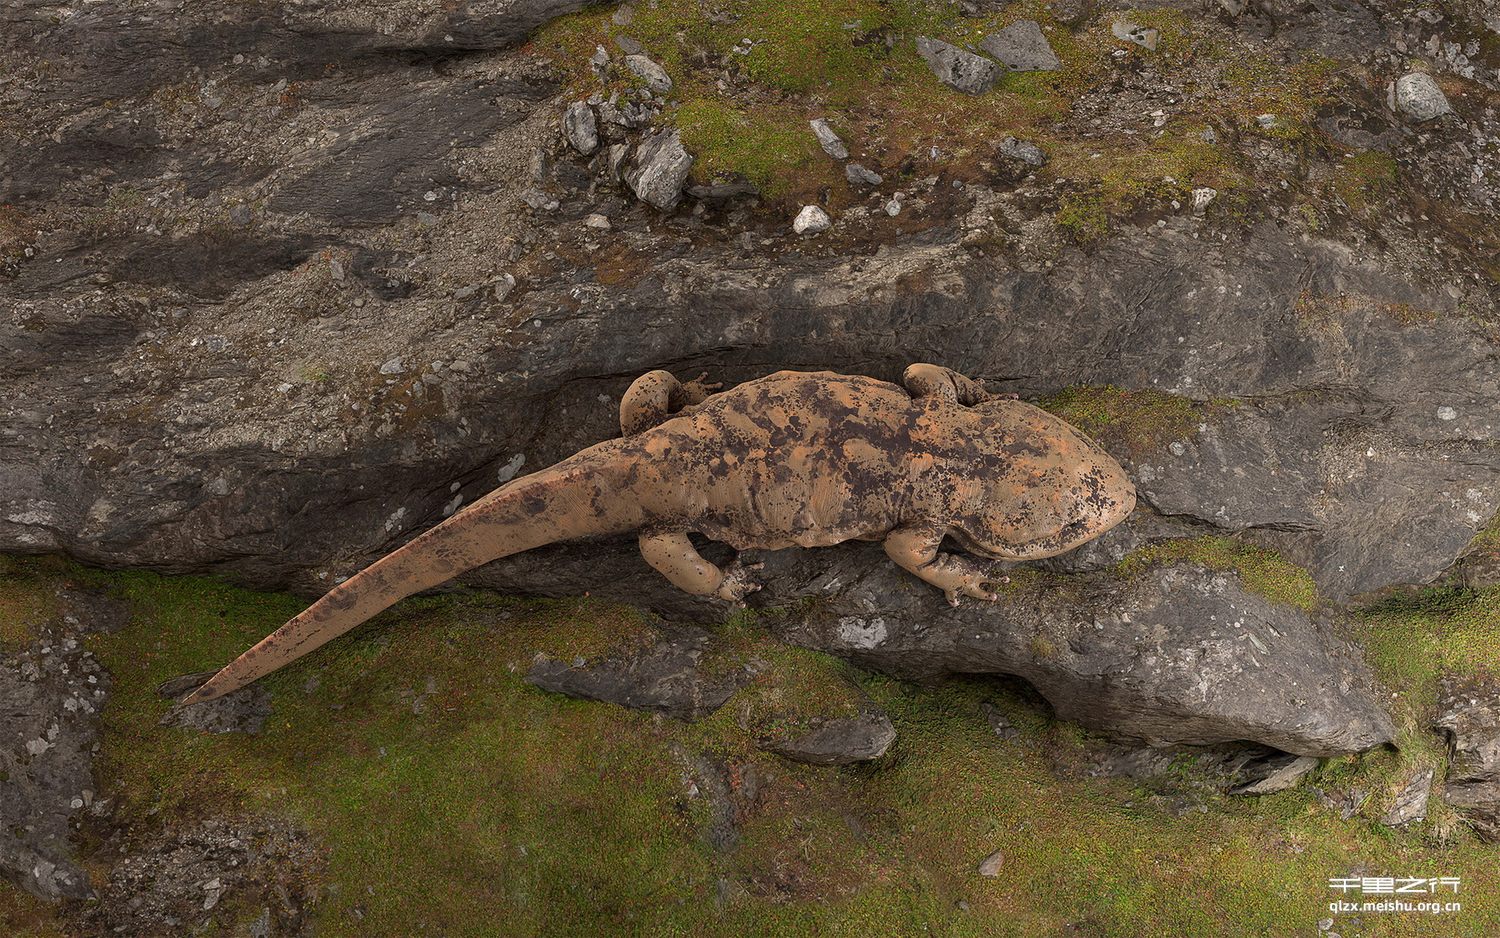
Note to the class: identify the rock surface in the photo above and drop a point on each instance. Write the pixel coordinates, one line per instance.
(244, 711)
(581, 128)
(669, 676)
(1420, 98)
(1021, 47)
(1469, 715)
(828, 140)
(659, 169)
(51, 692)
(1277, 773)
(1025, 151)
(811, 220)
(957, 68)
(655, 77)
(1192, 656)
(839, 740)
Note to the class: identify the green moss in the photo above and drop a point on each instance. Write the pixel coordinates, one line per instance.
(497, 807)
(768, 148)
(1366, 181)
(1136, 422)
(1122, 177)
(1412, 636)
(1261, 570)
(25, 600)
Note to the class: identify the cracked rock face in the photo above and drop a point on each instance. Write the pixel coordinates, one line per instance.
(1469, 715)
(50, 695)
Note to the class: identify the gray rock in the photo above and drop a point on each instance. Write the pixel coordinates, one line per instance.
(629, 46)
(668, 676)
(1411, 803)
(956, 68)
(655, 77)
(51, 692)
(1273, 774)
(1021, 47)
(1469, 716)
(538, 200)
(721, 192)
(1192, 656)
(1144, 36)
(990, 866)
(839, 741)
(828, 140)
(581, 128)
(599, 61)
(1419, 97)
(659, 169)
(811, 220)
(1025, 151)
(244, 711)
(858, 175)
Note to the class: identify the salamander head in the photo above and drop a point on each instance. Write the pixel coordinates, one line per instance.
(1043, 487)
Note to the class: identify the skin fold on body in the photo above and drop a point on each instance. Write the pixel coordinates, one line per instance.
(795, 458)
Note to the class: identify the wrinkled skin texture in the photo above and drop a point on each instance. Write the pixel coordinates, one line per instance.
(792, 459)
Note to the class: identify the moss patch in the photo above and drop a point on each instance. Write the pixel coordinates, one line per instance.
(1135, 422)
(26, 600)
(492, 806)
(1261, 570)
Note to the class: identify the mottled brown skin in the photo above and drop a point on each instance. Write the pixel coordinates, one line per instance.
(796, 458)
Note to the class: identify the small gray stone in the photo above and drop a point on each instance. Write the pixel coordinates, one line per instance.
(596, 220)
(629, 46)
(1277, 773)
(1411, 804)
(659, 169)
(1202, 196)
(1021, 47)
(599, 61)
(990, 865)
(1143, 36)
(240, 216)
(655, 77)
(581, 128)
(618, 154)
(956, 68)
(538, 200)
(503, 286)
(858, 175)
(840, 741)
(1419, 97)
(1028, 153)
(828, 140)
(392, 367)
(811, 220)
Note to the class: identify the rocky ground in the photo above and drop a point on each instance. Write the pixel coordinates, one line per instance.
(286, 285)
